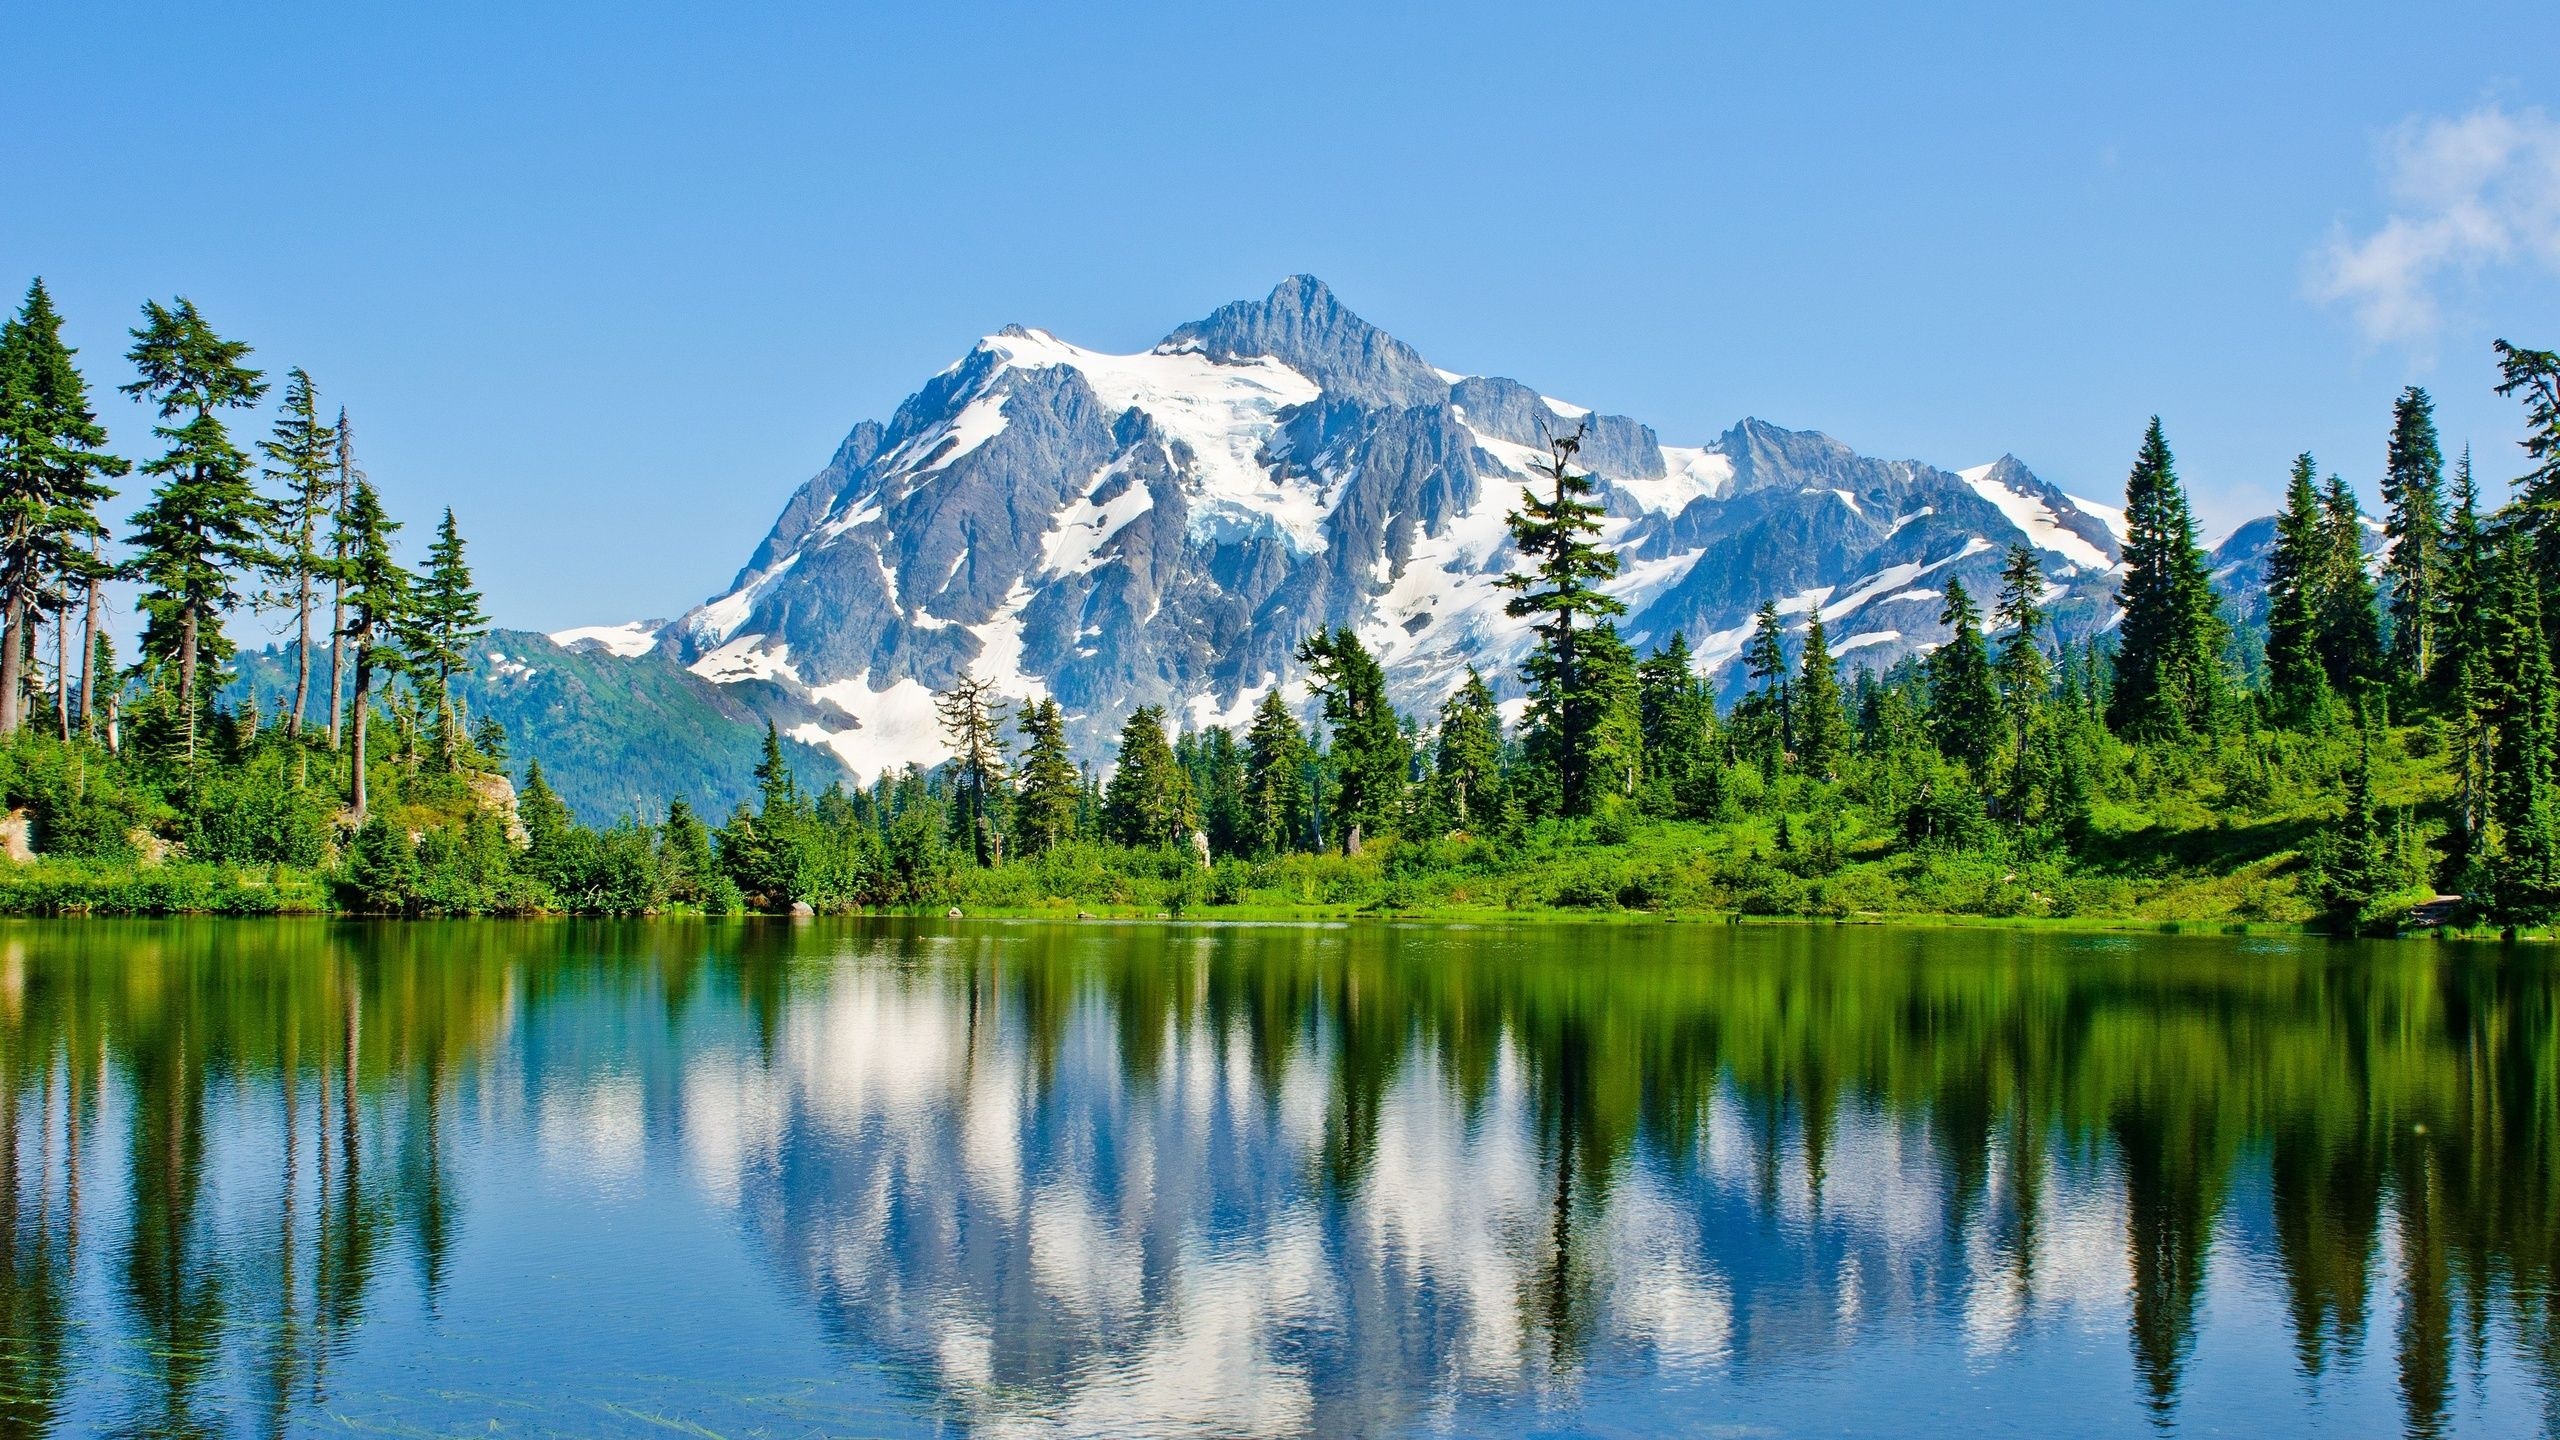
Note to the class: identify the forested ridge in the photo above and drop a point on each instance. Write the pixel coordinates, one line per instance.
(2385, 750)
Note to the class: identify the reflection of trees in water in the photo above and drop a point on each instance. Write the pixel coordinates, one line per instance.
(324, 1048)
(1819, 1125)
(1299, 1177)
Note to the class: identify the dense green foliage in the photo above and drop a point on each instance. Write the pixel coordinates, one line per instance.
(2397, 741)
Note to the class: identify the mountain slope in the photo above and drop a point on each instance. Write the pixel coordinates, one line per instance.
(615, 735)
(1166, 527)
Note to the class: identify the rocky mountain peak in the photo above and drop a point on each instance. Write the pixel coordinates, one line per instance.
(1164, 528)
(1303, 326)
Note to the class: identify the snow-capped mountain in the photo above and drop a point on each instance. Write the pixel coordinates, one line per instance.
(1165, 527)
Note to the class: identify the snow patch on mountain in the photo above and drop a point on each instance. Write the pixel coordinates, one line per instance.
(629, 641)
(2111, 516)
(1220, 409)
(1690, 472)
(746, 658)
(2044, 530)
(892, 727)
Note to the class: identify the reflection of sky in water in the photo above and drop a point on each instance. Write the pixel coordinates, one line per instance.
(943, 1180)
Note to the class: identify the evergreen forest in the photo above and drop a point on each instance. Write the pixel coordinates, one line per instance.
(2381, 752)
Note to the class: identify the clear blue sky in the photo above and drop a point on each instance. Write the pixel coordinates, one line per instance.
(612, 279)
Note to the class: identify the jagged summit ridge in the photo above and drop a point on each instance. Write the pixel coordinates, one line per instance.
(1166, 527)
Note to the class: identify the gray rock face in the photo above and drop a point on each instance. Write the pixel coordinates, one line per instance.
(1302, 326)
(1165, 528)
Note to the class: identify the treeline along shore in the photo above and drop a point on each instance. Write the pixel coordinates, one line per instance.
(2379, 751)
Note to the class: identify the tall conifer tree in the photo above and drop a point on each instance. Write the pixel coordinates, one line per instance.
(1468, 765)
(2297, 569)
(2523, 867)
(2413, 494)
(445, 620)
(348, 475)
(2167, 672)
(1370, 755)
(2025, 674)
(1147, 802)
(300, 463)
(2350, 637)
(1278, 805)
(1764, 663)
(1964, 702)
(2462, 677)
(1822, 726)
(1044, 810)
(1678, 716)
(378, 596)
(204, 526)
(1568, 717)
(971, 712)
(53, 469)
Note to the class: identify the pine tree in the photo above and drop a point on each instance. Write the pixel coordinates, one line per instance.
(300, 463)
(1467, 766)
(777, 788)
(2025, 676)
(544, 815)
(2350, 637)
(1821, 725)
(203, 528)
(1044, 812)
(2523, 869)
(971, 712)
(378, 596)
(348, 475)
(444, 621)
(1147, 804)
(1614, 717)
(2297, 569)
(2413, 495)
(489, 739)
(52, 473)
(1764, 661)
(1964, 704)
(1370, 757)
(1678, 716)
(2354, 868)
(2462, 675)
(685, 859)
(2167, 680)
(1279, 809)
(2533, 376)
(1215, 768)
(1568, 720)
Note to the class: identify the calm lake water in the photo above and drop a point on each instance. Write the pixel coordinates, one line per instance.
(938, 1178)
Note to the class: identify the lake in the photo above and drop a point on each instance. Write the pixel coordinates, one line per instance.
(925, 1177)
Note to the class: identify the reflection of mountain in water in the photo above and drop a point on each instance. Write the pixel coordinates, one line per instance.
(1280, 1181)
(1276, 1180)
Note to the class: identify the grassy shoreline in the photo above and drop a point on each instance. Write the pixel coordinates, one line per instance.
(48, 889)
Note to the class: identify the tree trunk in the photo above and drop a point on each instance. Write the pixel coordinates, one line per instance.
(364, 704)
(187, 675)
(89, 656)
(301, 654)
(337, 653)
(62, 670)
(13, 650)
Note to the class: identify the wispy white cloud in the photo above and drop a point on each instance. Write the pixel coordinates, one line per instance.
(2466, 193)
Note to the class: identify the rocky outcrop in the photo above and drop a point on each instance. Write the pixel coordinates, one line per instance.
(496, 794)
